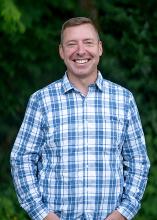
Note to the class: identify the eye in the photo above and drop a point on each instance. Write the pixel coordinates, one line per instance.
(71, 44)
(89, 43)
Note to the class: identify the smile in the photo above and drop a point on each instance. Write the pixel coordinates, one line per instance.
(81, 61)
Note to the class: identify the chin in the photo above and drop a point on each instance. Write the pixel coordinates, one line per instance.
(82, 74)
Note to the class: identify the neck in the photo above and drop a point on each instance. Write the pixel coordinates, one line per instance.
(82, 83)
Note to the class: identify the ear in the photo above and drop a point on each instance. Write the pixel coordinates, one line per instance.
(100, 48)
(61, 52)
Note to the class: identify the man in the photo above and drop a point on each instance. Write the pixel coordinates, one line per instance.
(80, 152)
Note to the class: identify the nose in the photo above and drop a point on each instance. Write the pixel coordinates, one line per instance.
(81, 49)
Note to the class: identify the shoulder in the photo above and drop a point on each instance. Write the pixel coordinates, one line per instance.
(48, 91)
(116, 89)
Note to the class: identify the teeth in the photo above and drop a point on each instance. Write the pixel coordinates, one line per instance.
(81, 61)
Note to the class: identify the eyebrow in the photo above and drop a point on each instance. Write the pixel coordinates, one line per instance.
(86, 39)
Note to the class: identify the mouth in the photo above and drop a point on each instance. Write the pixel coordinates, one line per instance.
(81, 61)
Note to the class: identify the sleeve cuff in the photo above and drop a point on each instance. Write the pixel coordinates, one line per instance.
(36, 211)
(128, 209)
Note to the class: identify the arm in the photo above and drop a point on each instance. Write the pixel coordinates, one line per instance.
(136, 164)
(24, 160)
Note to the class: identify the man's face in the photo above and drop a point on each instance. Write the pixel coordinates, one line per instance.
(81, 50)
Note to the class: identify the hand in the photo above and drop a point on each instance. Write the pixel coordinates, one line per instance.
(51, 216)
(115, 215)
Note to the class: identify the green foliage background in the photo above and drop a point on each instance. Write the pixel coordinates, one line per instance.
(29, 60)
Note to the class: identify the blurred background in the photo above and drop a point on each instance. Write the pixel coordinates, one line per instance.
(29, 60)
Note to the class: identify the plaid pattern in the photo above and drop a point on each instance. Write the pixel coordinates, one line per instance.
(80, 157)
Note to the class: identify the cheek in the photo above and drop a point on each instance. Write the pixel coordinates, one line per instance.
(72, 53)
(65, 54)
(69, 52)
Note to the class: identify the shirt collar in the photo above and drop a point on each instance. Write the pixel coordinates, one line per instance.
(67, 86)
(100, 81)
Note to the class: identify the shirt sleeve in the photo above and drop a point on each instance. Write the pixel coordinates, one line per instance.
(24, 159)
(136, 164)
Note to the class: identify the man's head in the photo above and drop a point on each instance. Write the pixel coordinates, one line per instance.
(80, 47)
(76, 22)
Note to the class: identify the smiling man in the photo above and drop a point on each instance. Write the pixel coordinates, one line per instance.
(80, 153)
(81, 49)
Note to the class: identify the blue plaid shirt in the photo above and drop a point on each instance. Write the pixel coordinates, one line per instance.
(80, 157)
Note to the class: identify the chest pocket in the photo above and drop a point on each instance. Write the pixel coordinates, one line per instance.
(113, 133)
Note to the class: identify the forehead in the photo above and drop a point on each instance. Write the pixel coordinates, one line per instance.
(79, 32)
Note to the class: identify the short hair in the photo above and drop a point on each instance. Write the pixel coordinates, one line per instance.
(76, 22)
